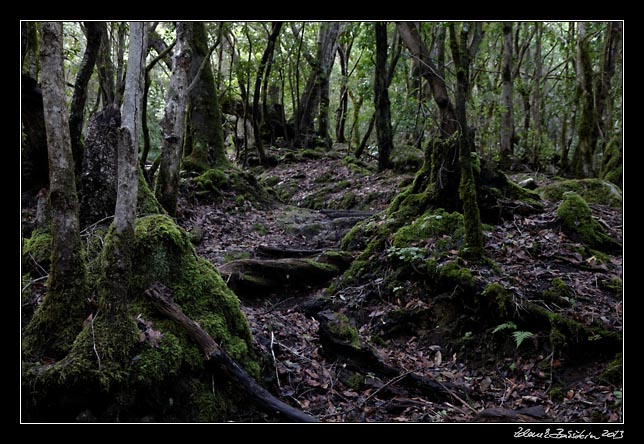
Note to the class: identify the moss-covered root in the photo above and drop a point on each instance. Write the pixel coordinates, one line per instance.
(576, 218)
(565, 334)
(59, 318)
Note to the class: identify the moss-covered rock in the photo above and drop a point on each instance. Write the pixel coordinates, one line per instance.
(576, 218)
(440, 230)
(216, 180)
(405, 158)
(591, 190)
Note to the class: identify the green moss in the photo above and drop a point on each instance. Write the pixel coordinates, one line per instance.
(499, 300)
(213, 179)
(342, 328)
(234, 255)
(259, 229)
(525, 195)
(407, 158)
(556, 394)
(315, 153)
(348, 201)
(591, 190)
(454, 273)
(322, 266)
(559, 293)
(37, 248)
(576, 218)
(443, 232)
(614, 284)
(355, 381)
(146, 203)
(613, 373)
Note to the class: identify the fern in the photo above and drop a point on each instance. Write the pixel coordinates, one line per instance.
(520, 336)
(505, 326)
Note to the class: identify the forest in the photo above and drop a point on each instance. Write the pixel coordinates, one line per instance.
(333, 221)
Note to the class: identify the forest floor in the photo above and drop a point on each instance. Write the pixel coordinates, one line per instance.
(529, 251)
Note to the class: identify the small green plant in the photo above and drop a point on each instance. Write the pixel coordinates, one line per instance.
(407, 254)
(259, 229)
(618, 398)
(519, 336)
(505, 326)
(467, 336)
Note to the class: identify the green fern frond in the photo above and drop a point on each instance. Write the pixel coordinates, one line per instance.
(505, 326)
(520, 336)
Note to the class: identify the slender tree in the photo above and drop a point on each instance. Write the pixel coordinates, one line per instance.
(77, 107)
(173, 123)
(381, 98)
(59, 317)
(507, 120)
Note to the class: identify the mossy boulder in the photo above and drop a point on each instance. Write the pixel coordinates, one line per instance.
(439, 230)
(595, 191)
(217, 180)
(576, 218)
(407, 158)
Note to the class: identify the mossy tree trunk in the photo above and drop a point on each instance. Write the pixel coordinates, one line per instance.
(59, 318)
(204, 143)
(344, 52)
(29, 49)
(173, 123)
(105, 67)
(33, 150)
(447, 180)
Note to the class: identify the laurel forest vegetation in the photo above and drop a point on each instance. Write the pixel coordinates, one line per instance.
(321, 221)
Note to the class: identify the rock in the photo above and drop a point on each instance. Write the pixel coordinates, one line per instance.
(528, 183)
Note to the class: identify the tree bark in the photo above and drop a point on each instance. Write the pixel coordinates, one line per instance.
(381, 98)
(59, 318)
(256, 110)
(204, 142)
(587, 130)
(536, 96)
(317, 82)
(507, 119)
(77, 107)
(343, 103)
(105, 67)
(33, 151)
(29, 49)
(173, 123)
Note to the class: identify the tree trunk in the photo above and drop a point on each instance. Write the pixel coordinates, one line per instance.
(343, 103)
(257, 114)
(173, 123)
(33, 152)
(355, 128)
(77, 107)
(29, 49)
(204, 131)
(59, 318)
(536, 100)
(587, 130)
(113, 297)
(381, 98)
(311, 98)
(105, 67)
(507, 120)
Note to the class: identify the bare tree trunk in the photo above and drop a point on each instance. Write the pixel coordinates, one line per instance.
(59, 318)
(507, 122)
(341, 111)
(381, 99)
(77, 107)
(566, 140)
(536, 92)
(311, 98)
(114, 297)
(173, 123)
(263, 66)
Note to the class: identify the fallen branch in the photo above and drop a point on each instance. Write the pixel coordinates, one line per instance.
(162, 300)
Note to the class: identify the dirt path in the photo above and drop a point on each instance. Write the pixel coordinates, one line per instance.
(529, 250)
